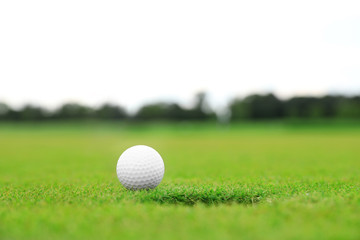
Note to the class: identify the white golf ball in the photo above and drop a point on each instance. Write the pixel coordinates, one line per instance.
(140, 167)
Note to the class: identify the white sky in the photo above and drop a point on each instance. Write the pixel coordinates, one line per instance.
(131, 52)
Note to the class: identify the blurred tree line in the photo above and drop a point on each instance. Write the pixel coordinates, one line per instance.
(270, 107)
(253, 107)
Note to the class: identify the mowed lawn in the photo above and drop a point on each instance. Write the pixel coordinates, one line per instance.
(243, 181)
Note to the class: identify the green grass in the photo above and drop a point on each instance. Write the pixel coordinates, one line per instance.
(244, 181)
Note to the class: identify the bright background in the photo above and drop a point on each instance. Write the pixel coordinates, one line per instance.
(132, 52)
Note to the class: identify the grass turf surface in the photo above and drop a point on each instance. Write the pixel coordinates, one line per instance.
(249, 181)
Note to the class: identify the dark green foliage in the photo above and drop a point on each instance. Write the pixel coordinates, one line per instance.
(32, 113)
(110, 111)
(174, 112)
(348, 107)
(311, 107)
(253, 107)
(156, 111)
(303, 107)
(73, 111)
(257, 107)
(4, 111)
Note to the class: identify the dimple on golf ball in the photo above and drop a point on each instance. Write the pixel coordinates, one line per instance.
(140, 167)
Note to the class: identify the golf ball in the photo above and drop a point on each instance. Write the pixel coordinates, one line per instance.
(140, 167)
